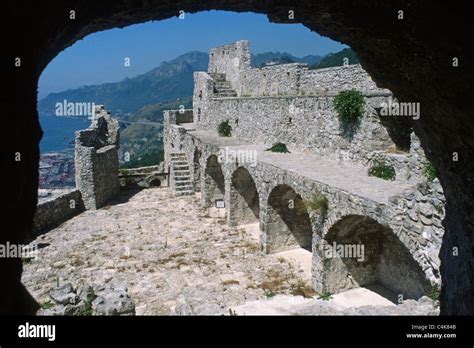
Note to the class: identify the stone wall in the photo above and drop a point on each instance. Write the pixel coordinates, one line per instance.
(54, 210)
(150, 176)
(303, 123)
(203, 92)
(406, 259)
(230, 60)
(96, 160)
(289, 103)
(233, 60)
(296, 79)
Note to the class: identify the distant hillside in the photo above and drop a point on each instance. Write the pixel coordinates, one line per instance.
(169, 81)
(273, 58)
(154, 112)
(336, 59)
(144, 142)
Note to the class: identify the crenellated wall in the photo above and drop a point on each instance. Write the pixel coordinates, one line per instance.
(96, 159)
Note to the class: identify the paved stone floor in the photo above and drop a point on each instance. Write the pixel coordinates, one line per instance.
(172, 256)
(348, 176)
(177, 259)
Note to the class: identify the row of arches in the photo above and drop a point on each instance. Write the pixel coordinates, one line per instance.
(381, 259)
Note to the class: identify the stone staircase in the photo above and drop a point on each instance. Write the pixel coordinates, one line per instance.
(181, 174)
(222, 87)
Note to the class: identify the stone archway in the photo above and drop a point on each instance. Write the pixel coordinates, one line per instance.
(357, 251)
(244, 199)
(287, 224)
(197, 170)
(214, 183)
(38, 33)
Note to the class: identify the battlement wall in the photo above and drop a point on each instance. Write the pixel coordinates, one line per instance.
(96, 160)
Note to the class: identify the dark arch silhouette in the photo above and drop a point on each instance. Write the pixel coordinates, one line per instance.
(244, 199)
(288, 225)
(197, 170)
(214, 179)
(39, 33)
(370, 255)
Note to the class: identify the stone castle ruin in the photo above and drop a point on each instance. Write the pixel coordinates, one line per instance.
(398, 222)
(368, 231)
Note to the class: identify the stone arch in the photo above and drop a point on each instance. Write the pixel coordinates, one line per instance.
(214, 182)
(359, 251)
(287, 225)
(244, 207)
(351, 23)
(197, 169)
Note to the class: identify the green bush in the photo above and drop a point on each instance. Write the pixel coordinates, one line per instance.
(47, 305)
(382, 170)
(434, 292)
(429, 171)
(349, 106)
(278, 147)
(318, 203)
(224, 129)
(325, 296)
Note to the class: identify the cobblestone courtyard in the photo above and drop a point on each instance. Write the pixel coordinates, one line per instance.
(175, 258)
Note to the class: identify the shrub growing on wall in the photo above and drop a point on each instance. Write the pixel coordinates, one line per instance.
(318, 203)
(278, 147)
(429, 171)
(382, 170)
(349, 106)
(224, 129)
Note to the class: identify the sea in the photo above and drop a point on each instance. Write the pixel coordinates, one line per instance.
(58, 132)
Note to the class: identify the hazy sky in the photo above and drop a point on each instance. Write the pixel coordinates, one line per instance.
(99, 57)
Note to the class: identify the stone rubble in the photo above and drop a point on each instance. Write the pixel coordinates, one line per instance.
(153, 253)
(88, 300)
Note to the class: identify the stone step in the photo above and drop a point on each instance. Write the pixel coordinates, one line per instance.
(184, 188)
(177, 155)
(179, 159)
(180, 167)
(226, 94)
(184, 193)
(183, 183)
(181, 173)
(223, 84)
(217, 76)
(223, 90)
(180, 163)
(182, 178)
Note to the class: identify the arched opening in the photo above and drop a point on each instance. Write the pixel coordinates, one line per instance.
(244, 199)
(357, 251)
(214, 183)
(155, 182)
(197, 170)
(287, 225)
(352, 23)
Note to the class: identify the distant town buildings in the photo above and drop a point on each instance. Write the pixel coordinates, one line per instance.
(56, 170)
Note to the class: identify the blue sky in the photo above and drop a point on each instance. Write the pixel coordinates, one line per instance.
(99, 57)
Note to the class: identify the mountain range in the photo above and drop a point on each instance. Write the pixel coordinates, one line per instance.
(169, 81)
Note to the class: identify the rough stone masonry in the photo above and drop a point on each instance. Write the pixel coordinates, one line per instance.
(96, 159)
(398, 222)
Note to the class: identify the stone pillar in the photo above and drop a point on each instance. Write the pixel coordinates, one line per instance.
(96, 159)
